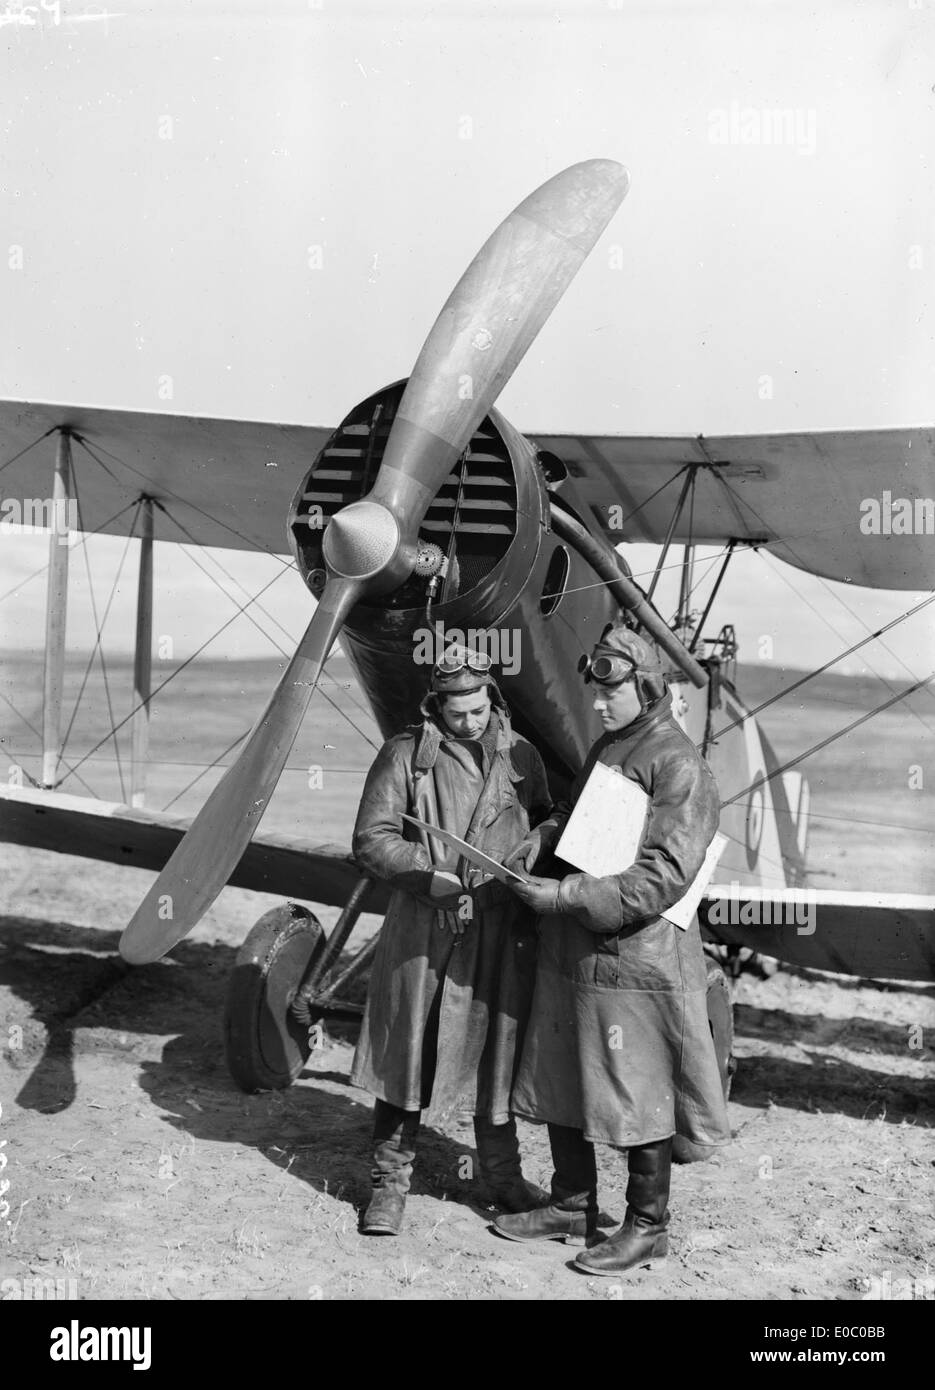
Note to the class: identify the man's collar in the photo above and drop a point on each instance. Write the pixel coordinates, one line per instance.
(434, 733)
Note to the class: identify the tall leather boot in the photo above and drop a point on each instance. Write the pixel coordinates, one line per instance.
(394, 1145)
(572, 1213)
(501, 1166)
(642, 1237)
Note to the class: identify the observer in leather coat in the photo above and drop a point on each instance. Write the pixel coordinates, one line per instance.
(618, 1049)
(488, 792)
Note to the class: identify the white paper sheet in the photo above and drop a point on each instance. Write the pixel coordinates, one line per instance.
(604, 832)
(605, 828)
(682, 912)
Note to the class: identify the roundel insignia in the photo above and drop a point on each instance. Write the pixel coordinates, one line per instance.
(755, 815)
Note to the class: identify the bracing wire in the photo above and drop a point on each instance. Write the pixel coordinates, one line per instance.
(85, 537)
(827, 621)
(205, 770)
(810, 675)
(282, 650)
(249, 542)
(215, 762)
(785, 541)
(646, 500)
(180, 668)
(98, 647)
(832, 738)
(32, 728)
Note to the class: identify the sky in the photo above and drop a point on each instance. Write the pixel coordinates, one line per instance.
(257, 211)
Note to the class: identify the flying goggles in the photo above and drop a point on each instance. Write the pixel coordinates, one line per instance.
(460, 658)
(607, 670)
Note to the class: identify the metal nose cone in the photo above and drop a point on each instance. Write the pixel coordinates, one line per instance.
(360, 540)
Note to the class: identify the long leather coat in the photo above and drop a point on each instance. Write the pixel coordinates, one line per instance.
(480, 982)
(618, 1043)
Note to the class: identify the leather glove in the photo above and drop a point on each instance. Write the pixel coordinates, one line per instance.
(537, 843)
(540, 894)
(452, 898)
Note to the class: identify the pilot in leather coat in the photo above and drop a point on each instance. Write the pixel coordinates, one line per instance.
(618, 1049)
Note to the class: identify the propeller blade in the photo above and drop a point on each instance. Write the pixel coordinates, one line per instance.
(205, 859)
(486, 326)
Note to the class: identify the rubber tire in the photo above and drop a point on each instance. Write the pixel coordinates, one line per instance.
(265, 1045)
(721, 1023)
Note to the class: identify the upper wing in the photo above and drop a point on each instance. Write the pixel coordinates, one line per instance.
(227, 483)
(801, 492)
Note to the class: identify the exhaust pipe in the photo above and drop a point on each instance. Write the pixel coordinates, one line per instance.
(627, 593)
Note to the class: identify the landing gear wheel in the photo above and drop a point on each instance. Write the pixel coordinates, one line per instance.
(721, 1023)
(265, 1045)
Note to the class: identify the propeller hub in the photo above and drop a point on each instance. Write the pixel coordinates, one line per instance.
(361, 540)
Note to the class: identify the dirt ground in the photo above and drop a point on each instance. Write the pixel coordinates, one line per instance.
(138, 1170)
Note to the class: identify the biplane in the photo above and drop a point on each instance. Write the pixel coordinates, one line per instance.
(425, 509)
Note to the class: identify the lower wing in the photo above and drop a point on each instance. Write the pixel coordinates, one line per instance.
(118, 834)
(874, 935)
(879, 936)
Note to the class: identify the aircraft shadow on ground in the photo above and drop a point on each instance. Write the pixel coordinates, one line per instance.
(856, 1034)
(833, 1085)
(321, 1138)
(847, 983)
(72, 979)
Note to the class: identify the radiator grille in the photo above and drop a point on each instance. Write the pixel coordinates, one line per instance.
(346, 469)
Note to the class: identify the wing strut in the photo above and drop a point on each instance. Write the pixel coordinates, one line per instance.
(142, 658)
(712, 596)
(679, 508)
(53, 683)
